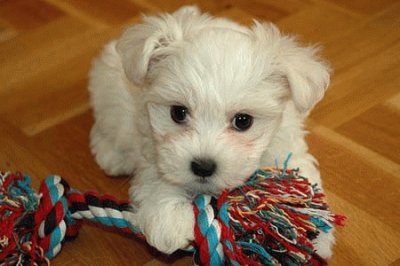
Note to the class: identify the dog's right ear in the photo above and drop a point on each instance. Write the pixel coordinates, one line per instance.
(306, 73)
(142, 46)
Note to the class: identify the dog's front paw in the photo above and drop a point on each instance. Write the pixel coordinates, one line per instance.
(168, 227)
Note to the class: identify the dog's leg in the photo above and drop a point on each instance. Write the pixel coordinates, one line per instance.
(114, 159)
(112, 138)
(167, 226)
(163, 212)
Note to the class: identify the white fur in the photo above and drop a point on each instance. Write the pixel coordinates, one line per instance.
(216, 68)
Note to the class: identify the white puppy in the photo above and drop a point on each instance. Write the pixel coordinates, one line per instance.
(195, 104)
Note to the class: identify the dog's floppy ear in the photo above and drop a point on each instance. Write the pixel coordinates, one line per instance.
(142, 46)
(307, 75)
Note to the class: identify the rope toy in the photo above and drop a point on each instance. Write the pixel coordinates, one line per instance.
(270, 220)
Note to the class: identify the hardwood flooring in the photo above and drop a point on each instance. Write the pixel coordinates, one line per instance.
(46, 47)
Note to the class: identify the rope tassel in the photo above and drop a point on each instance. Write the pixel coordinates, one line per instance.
(271, 220)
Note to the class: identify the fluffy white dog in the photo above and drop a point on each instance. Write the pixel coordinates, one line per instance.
(195, 104)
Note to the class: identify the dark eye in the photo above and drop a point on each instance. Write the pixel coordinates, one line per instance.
(179, 114)
(242, 122)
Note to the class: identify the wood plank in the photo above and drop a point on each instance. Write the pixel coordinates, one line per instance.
(364, 7)
(6, 31)
(366, 39)
(353, 240)
(353, 92)
(182, 260)
(106, 11)
(354, 179)
(318, 24)
(26, 55)
(96, 246)
(78, 14)
(393, 103)
(59, 73)
(260, 9)
(373, 158)
(65, 148)
(377, 130)
(17, 154)
(26, 15)
(237, 14)
(43, 112)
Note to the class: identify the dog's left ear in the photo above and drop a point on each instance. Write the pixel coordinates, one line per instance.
(307, 75)
(143, 45)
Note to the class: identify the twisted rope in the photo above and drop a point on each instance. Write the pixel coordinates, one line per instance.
(271, 220)
(38, 224)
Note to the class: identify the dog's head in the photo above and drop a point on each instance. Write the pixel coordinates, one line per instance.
(215, 92)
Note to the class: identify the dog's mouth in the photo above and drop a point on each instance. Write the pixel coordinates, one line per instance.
(205, 185)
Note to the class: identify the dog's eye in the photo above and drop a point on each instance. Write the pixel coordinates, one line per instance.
(179, 113)
(242, 122)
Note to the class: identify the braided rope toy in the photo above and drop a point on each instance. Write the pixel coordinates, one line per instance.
(270, 220)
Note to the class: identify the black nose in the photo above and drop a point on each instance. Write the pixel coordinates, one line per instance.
(203, 167)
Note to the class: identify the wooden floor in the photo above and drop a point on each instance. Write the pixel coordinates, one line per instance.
(45, 52)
